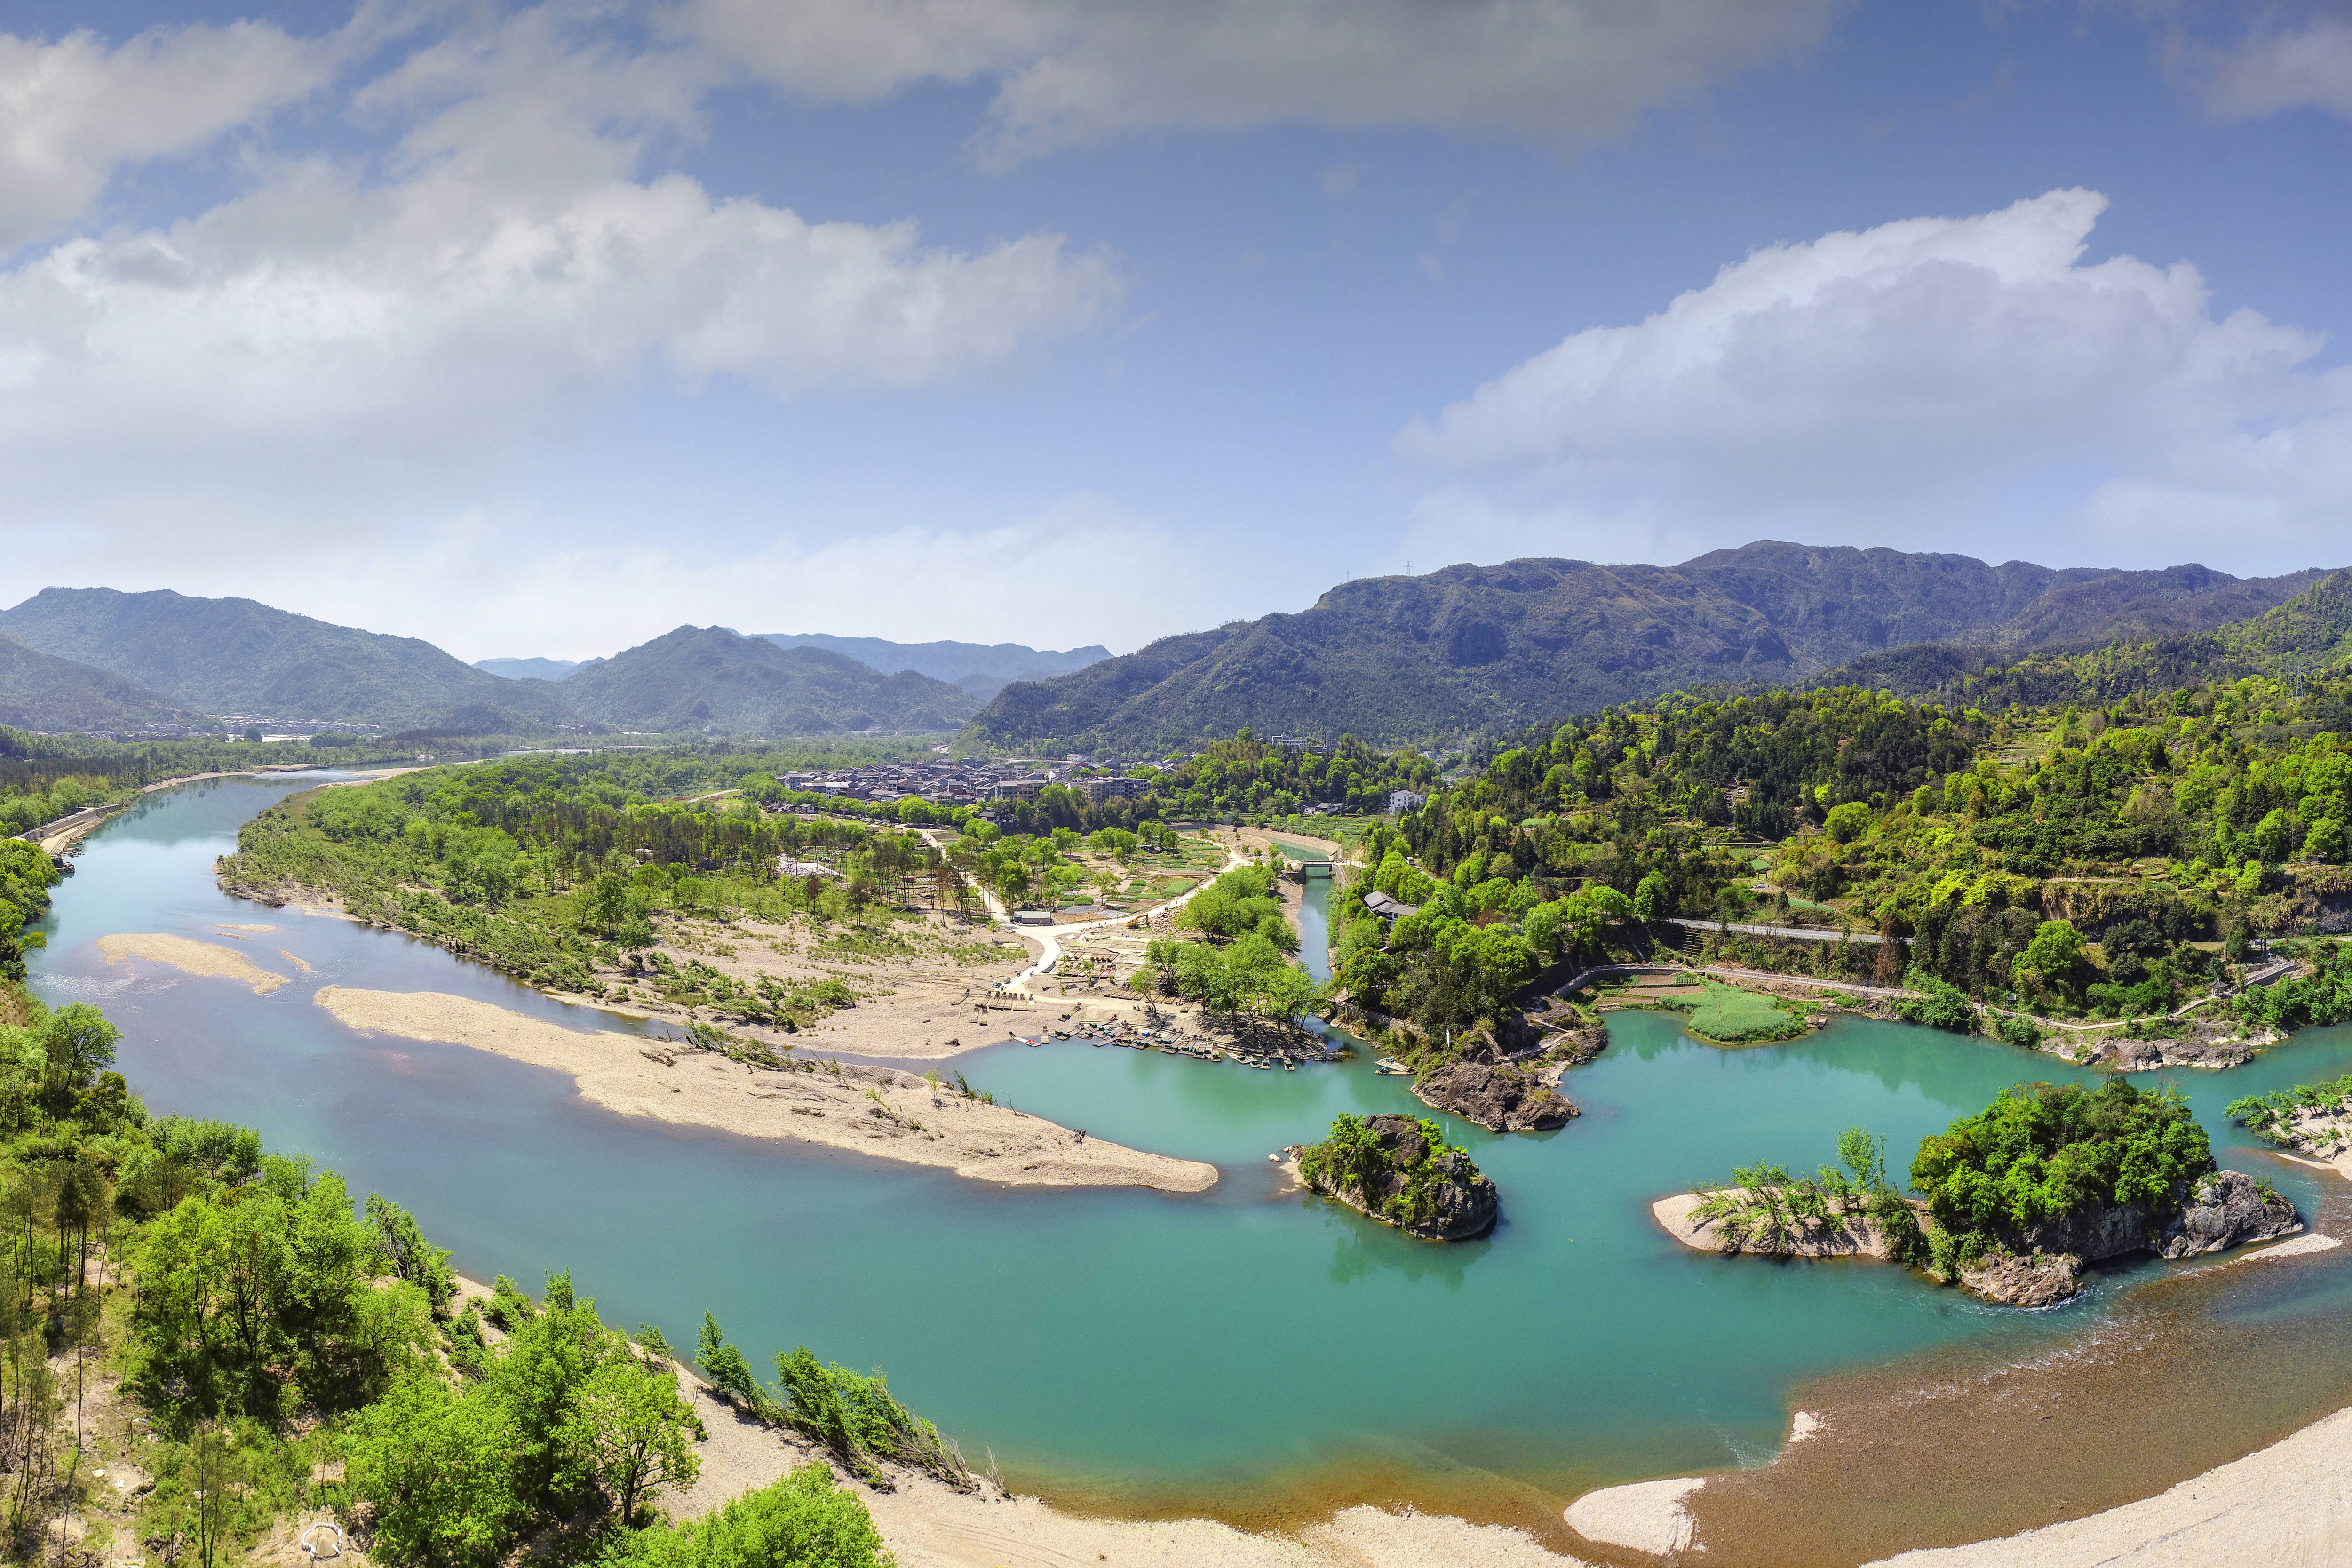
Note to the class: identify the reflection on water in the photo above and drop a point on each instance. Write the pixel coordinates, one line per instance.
(1225, 1351)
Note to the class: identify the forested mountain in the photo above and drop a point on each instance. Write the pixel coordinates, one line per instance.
(709, 679)
(2310, 632)
(41, 692)
(528, 669)
(1479, 648)
(980, 669)
(237, 656)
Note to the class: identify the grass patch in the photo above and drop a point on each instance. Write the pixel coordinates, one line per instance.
(1729, 1016)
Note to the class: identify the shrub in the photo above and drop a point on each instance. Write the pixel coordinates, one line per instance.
(801, 1522)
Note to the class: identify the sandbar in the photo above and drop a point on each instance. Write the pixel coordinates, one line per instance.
(294, 960)
(203, 958)
(1850, 1236)
(1647, 1516)
(869, 1110)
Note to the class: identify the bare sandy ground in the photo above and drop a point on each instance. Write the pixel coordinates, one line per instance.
(930, 1525)
(2289, 1506)
(872, 1110)
(190, 957)
(1647, 1516)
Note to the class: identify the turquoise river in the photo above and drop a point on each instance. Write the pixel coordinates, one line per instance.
(1128, 1345)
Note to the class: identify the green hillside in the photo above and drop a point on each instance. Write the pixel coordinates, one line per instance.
(708, 679)
(41, 692)
(1472, 649)
(2310, 633)
(237, 656)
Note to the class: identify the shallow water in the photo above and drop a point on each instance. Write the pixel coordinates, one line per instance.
(1131, 1344)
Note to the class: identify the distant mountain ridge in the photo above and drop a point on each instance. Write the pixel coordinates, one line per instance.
(1471, 649)
(238, 657)
(981, 669)
(528, 669)
(710, 679)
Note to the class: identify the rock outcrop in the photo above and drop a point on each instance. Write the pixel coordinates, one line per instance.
(2228, 1209)
(2045, 1264)
(2225, 1209)
(1500, 1097)
(2010, 1279)
(1413, 1183)
(2212, 1051)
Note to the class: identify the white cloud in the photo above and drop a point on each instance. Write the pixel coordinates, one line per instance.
(1954, 383)
(77, 110)
(337, 338)
(2271, 68)
(1560, 72)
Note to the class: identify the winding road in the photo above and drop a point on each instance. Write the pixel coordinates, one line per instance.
(1049, 937)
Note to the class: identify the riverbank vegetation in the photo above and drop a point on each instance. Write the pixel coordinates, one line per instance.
(26, 875)
(1239, 963)
(558, 870)
(204, 1341)
(1763, 1208)
(2045, 1152)
(2109, 861)
(2275, 1117)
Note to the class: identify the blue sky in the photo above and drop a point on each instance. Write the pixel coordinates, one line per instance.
(543, 329)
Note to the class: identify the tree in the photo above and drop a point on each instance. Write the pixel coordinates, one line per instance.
(1653, 898)
(724, 1365)
(632, 1430)
(412, 1257)
(440, 1470)
(635, 937)
(1848, 822)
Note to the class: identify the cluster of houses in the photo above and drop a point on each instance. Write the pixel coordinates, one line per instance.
(970, 782)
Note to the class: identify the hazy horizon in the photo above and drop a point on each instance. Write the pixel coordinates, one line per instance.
(535, 332)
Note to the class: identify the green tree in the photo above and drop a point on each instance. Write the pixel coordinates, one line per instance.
(631, 1429)
(1847, 822)
(440, 1470)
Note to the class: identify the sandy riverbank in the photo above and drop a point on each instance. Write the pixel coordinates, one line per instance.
(871, 1111)
(2229, 1516)
(930, 1525)
(205, 958)
(2289, 1504)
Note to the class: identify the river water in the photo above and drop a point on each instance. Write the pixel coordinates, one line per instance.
(1233, 1350)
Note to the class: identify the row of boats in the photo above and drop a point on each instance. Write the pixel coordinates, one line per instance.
(1174, 1044)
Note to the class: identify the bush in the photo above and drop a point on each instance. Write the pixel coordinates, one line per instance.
(801, 1522)
(1936, 1003)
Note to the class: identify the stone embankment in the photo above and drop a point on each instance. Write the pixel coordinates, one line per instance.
(1462, 1204)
